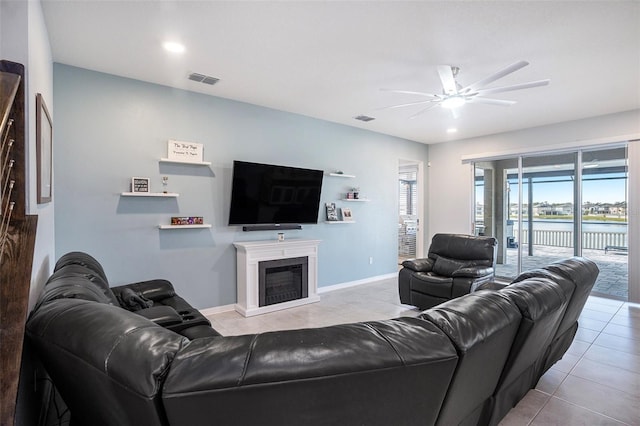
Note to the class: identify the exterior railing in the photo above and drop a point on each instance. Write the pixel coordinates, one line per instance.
(590, 240)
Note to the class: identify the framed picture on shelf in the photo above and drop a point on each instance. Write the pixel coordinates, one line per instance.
(140, 184)
(332, 212)
(347, 216)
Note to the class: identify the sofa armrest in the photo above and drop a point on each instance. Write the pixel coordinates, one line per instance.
(153, 289)
(473, 272)
(161, 315)
(419, 265)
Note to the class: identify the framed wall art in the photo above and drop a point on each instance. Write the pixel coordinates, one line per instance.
(44, 150)
(140, 184)
(347, 216)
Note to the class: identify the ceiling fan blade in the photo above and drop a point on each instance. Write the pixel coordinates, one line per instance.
(422, 111)
(520, 86)
(410, 92)
(488, 101)
(447, 79)
(493, 77)
(407, 104)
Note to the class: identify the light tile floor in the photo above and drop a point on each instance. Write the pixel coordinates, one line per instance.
(597, 382)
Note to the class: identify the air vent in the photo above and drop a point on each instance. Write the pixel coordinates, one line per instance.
(364, 118)
(201, 78)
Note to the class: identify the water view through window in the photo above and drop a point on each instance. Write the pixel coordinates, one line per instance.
(529, 204)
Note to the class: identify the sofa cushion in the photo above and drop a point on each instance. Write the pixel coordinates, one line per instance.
(93, 279)
(445, 266)
(431, 284)
(482, 327)
(466, 247)
(107, 363)
(73, 287)
(81, 259)
(392, 372)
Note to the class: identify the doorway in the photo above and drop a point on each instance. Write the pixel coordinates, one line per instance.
(410, 210)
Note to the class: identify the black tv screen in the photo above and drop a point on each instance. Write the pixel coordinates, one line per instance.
(270, 194)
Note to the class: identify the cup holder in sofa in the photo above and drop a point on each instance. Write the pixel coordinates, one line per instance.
(188, 317)
(183, 313)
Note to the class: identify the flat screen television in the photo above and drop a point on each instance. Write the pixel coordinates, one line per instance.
(264, 194)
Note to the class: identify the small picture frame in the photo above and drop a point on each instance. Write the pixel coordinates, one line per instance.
(140, 184)
(347, 216)
(332, 212)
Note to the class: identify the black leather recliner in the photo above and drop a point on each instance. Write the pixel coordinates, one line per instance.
(455, 265)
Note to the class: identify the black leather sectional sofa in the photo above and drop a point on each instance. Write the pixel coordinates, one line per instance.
(466, 361)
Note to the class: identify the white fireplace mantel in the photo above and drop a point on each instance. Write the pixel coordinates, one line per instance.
(251, 253)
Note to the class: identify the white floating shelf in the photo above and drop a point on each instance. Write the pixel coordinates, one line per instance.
(332, 222)
(341, 175)
(195, 163)
(150, 194)
(205, 225)
(362, 200)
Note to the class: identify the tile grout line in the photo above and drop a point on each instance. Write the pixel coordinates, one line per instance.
(553, 395)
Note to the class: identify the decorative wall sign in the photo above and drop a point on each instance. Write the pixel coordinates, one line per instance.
(189, 152)
(140, 184)
(44, 147)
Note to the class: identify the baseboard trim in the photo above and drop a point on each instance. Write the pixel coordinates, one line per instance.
(325, 289)
(217, 309)
(348, 284)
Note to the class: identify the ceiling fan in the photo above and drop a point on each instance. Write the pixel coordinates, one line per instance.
(454, 95)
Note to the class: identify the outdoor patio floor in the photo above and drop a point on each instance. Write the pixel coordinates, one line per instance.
(612, 281)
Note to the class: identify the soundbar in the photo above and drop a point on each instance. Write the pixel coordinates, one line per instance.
(272, 227)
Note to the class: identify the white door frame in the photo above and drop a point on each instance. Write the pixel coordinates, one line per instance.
(420, 203)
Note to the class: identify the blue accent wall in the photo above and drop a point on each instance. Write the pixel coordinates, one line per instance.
(109, 129)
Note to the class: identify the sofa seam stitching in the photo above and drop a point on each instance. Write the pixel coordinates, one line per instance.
(379, 333)
(246, 360)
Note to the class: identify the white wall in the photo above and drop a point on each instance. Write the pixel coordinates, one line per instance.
(39, 69)
(13, 30)
(449, 179)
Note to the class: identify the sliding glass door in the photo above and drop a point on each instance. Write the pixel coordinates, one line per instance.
(547, 207)
(605, 236)
(548, 220)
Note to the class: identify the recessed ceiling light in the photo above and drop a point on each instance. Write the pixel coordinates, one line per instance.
(173, 47)
(452, 130)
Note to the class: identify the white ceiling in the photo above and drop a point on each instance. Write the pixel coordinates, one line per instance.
(329, 59)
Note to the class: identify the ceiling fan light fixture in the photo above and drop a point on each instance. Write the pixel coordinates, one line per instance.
(173, 47)
(452, 102)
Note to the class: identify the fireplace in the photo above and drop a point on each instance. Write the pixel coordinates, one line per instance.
(287, 269)
(282, 280)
